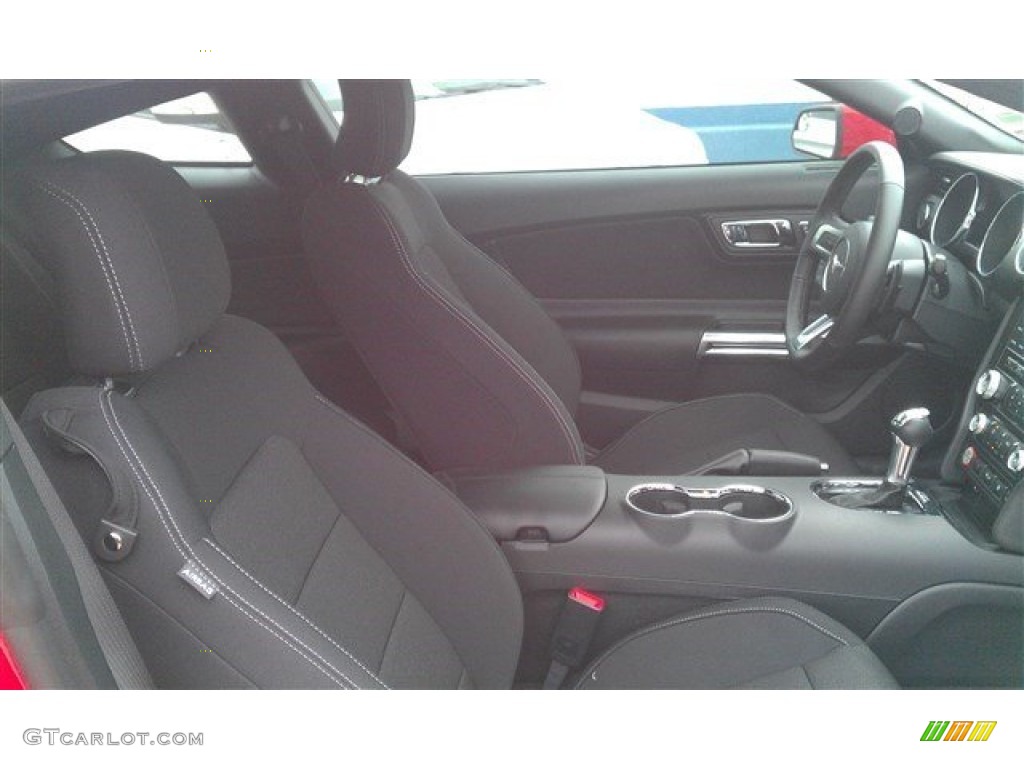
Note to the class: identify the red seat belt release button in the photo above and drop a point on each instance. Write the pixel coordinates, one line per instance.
(587, 599)
(576, 627)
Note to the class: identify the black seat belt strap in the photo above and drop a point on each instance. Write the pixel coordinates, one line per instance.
(119, 650)
(573, 634)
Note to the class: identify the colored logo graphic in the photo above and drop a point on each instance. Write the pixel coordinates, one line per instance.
(958, 730)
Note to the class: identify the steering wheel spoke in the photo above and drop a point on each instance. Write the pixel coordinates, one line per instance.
(815, 330)
(841, 269)
(827, 236)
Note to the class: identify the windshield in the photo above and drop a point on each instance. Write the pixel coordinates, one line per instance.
(1005, 119)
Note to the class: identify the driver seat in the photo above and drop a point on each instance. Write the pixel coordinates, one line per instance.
(481, 375)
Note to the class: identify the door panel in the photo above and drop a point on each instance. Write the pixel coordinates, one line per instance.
(634, 266)
(493, 203)
(669, 257)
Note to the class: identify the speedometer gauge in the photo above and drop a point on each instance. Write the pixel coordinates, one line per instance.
(956, 211)
(1003, 237)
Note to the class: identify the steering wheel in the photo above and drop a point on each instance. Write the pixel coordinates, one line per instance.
(856, 257)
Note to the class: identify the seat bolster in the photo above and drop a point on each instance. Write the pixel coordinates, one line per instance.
(469, 397)
(760, 643)
(238, 631)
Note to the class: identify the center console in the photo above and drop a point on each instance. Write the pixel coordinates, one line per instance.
(988, 453)
(901, 562)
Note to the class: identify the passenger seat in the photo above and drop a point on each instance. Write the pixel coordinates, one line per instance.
(256, 536)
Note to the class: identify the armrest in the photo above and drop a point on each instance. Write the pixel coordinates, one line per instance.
(554, 503)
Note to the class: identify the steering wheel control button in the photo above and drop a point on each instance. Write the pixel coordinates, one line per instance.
(826, 239)
(992, 385)
(979, 423)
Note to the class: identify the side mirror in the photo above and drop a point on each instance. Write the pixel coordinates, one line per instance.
(834, 131)
(816, 132)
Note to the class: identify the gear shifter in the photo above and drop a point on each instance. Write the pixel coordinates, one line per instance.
(911, 430)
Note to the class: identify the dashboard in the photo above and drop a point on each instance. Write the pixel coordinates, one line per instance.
(993, 451)
(973, 211)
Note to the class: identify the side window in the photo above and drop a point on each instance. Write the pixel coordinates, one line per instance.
(481, 126)
(185, 131)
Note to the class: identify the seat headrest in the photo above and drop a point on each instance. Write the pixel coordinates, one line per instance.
(139, 265)
(376, 131)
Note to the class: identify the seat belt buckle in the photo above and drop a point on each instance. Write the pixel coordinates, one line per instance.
(576, 627)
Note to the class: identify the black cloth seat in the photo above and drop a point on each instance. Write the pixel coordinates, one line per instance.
(764, 643)
(481, 374)
(278, 543)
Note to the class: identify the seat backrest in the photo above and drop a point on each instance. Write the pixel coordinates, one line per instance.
(482, 375)
(273, 541)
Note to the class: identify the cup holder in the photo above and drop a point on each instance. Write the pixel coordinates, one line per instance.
(750, 503)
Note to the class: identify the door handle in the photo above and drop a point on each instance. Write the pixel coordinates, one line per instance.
(759, 233)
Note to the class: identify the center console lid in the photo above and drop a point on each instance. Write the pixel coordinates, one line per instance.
(542, 504)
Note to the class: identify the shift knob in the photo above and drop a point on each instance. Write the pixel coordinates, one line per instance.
(913, 426)
(910, 429)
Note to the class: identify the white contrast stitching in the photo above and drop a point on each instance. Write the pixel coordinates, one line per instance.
(103, 269)
(516, 284)
(592, 669)
(110, 264)
(174, 541)
(459, 315)
(258, 623)
(145, 488)
(184, 543)
(191, 552)
(293, 609)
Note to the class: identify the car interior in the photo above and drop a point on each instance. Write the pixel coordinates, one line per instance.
(311, 421)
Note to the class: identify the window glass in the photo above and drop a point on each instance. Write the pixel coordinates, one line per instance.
(1009, 120)
(183, 131)
(479, 126)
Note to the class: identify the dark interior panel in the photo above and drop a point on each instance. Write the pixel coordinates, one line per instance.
(634, 266)
(648, 349)
(272, 284)
(485, 205)
(258, 221)
(646, 258)
(946, 652)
